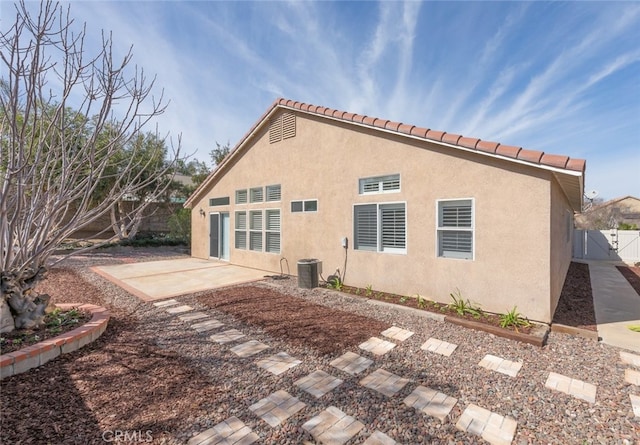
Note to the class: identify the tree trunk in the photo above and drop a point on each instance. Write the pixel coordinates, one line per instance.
(27, 307)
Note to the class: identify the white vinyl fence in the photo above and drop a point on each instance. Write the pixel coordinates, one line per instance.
(610, 245)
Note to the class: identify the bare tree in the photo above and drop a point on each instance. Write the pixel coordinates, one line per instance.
(58, 137)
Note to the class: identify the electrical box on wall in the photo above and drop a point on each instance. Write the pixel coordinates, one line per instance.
(345, 242)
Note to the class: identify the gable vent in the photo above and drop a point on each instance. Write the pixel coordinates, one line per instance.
(288, 125)
(282, 127)
(275, 130)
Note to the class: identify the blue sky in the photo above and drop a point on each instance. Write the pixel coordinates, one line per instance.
(561, 77)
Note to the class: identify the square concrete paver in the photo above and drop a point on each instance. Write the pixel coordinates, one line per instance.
(384, 382)
(279, 363)
(630, 359)
(377, 346)
(166, 303)
(379, 438)
(397, 333)
(431, 402)
(501, 365)
(439, 347)
(573, 387)
(492, 427)
(632, 376)
(351, 363)
(635, 404)
(179, 309)
(333, 427)
(207, 325)
(318, 383)
(231, 431)
(227, 336)
(193, 316)
(277, 407)
(249, 348)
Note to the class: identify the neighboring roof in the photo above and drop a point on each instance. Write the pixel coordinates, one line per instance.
(614, 201)
(569, 172)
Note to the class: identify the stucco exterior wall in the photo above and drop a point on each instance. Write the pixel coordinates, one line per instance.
(561, 241)
(325, 160)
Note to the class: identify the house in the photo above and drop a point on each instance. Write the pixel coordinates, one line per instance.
(420, 211)
(624, 211)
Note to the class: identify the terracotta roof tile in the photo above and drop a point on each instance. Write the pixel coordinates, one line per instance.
(420, 132)
(306, 107)
(290, 103)
(530, 155)
(392, 125)
(451, 138)
(358, 118)
(348, 116)
(435, 135)
(555, 160)
(338, 113)
(368, 120)
(468, 142)
(329, 111)
(380, 123)
(406, 129)
(578, 165)
(509, 151)
(487, 146)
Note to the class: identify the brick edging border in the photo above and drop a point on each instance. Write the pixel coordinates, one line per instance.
(36, 355)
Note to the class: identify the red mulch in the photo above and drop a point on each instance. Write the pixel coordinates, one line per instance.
(122, 381)
(575, 307)
(299, 322)
(632, 274)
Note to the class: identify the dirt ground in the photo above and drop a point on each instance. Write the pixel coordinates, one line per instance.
(632, 274)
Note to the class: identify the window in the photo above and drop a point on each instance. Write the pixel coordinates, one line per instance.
(309, 205)
(241, 196)
(379, 184)
(273, 192)
(219, 201)
(241, 230)
(272, 233)
(255, 230)
(380, 227)
(455, 229)
(256, 194)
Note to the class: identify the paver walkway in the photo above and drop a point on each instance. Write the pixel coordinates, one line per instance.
(277, 408)
(318, 383)
(431, 402)
(279, 363)
(377, 346)
(500, 365)
(351, 363)
(230, 432)
(439, 347)
(573, 387)
(334, 427)
(384, 382)
(492, 427)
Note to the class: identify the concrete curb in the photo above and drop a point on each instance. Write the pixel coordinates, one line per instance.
(36, 355)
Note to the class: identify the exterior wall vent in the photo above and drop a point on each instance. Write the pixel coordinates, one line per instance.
(282, 127)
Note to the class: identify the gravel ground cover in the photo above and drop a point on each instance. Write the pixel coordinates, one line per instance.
(151, 372)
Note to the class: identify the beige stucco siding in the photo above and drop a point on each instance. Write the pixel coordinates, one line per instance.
(325, 160)
(561, 240)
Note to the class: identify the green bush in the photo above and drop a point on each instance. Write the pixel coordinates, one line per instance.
(180, 225)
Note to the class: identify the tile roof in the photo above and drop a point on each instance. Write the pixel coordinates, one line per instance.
(561, 163)
(468, 143)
